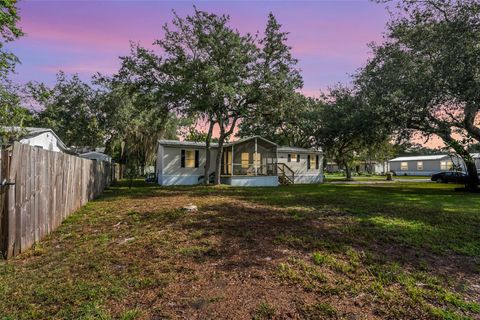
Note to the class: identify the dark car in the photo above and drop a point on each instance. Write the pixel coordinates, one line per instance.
(450, 176)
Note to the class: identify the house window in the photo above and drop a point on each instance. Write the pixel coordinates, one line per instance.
(257, 159)
(317, 162)
(446, 165)
(308, 162)
(419, 165)
(245, 159)
(190, 158)
(404, 166)
(227, 161)
(294, 156)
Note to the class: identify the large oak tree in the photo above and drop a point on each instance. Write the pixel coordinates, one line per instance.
(425, 76)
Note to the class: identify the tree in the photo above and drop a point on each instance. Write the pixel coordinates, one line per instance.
(137, 107)
(9, 31)
(424, 77)
(215, 71)
(344, 125)
(68, 109)
(11, 113)
(279, 104)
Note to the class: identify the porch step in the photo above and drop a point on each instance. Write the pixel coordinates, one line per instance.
(284, 181)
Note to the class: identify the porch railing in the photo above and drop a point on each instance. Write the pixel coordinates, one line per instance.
(285, 174)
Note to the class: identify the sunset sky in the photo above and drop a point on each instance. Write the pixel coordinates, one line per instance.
(328, 37)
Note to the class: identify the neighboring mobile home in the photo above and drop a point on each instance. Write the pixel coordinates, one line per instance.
(425, 165)
(253, 161)
(43, 138)
(95, 155)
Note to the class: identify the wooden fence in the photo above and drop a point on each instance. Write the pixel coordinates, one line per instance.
(44, 188)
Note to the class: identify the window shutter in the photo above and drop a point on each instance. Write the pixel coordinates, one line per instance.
(197, 158)
(308, 162)
(298, 158)
(182, 160)
(317, 162)
(289, 157)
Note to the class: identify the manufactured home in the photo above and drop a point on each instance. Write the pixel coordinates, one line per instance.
(43, 138)
(253, 161)
(425, 165)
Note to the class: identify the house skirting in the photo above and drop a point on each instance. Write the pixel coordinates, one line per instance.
(178, 180)
(251, 181)
(308, 179)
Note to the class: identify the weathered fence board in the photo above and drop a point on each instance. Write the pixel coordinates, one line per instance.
(48, 187)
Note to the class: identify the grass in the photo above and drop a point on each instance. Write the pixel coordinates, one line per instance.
(335, 177)
(403, 250)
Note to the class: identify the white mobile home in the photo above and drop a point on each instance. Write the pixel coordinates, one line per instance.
(425, 165)
(476, 157)
(253, 161)
(95, 155)
(43, 138)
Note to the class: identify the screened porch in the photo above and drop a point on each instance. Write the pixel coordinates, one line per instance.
(254, 156)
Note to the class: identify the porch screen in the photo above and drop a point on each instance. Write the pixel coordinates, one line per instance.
(245, 159)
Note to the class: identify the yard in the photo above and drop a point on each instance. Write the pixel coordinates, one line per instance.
(384, 251)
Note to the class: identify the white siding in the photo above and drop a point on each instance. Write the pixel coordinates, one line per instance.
(45, 140)
(302, 174)
(169, 167)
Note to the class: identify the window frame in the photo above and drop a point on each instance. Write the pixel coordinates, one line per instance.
(189, 158)
(420, 165)
(404, 166)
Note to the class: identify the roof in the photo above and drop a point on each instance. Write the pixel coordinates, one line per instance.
(475, 155)
(296, 149)
(249, 138)
(33, 132)
(185, 143)
(229, 144)
(94, 153)
(413, 158)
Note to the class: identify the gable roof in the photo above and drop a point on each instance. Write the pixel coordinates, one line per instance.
(30, 132)
(429, 157)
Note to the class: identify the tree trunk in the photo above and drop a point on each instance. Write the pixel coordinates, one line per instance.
(472, 181)
(207, 153)
(218, 161)
(348, 173)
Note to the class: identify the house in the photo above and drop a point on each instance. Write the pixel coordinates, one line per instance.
(43, 138)
(253, 161)
(95, 155)
(476, 157)
(425, 165)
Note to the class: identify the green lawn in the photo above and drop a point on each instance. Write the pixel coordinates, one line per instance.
(383, 251)
(339, 177)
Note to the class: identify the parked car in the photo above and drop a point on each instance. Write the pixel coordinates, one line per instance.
(450, 176)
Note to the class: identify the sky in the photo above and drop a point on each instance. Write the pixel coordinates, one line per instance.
(329, 38)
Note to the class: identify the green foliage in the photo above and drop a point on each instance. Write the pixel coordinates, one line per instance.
(279, 106)
(424, 77)
(136, 107)
(69, 109)
(9, 31)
